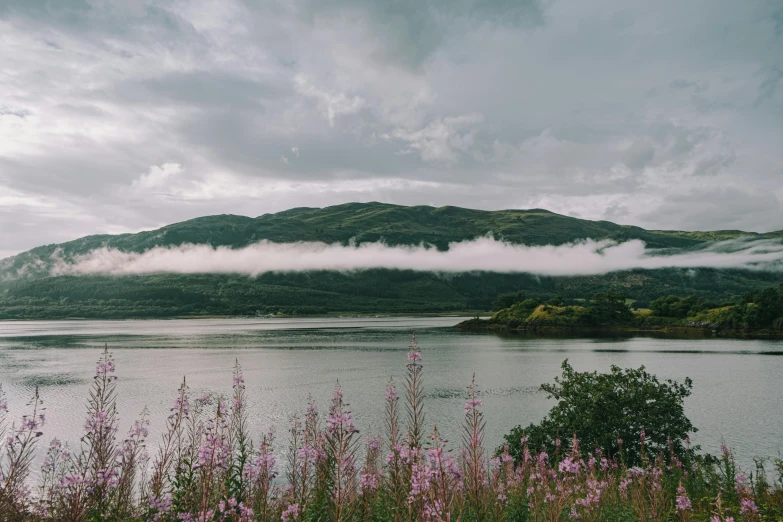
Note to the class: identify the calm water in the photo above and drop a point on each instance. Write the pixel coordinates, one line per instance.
(737, 396)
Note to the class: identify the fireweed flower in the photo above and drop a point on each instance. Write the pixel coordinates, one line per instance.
(414, 356)
(161, 505)
(214, 450)
(139, 430)
(338, 420)
(472, 403)
(569, 465)
(683, 502)
(104, 368)
(740, 482)
(373, 442)
(748, 506)
(290, 513)
(368, 481)
(182, 404)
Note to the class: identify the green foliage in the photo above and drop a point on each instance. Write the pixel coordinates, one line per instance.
(508, 300)
(609, 308)
(757, 312)
(601, 409)
(28, 291)
(606, 308)
(360, 223)
(680, 307)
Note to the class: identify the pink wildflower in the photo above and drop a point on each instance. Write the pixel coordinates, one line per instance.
(471, 404)
(683, 502)
(748, 506)
(290, 513)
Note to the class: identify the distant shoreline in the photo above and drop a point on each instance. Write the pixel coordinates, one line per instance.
(487, 325)
(336, 315)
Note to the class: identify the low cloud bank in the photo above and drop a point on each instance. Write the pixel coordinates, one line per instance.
(484, 254)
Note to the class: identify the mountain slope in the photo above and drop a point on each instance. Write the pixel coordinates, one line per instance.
(370, 222)
(28, 291)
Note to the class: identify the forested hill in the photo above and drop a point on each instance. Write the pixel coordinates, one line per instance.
(27, 290)
(368, 222)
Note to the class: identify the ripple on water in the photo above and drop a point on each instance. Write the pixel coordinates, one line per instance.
(458, 393)
(44, 380)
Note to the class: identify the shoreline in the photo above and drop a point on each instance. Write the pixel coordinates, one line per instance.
(335, 315)
(579, 331)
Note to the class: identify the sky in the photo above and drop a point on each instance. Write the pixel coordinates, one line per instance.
(125, 116)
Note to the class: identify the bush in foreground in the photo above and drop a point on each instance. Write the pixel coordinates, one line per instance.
(207, 468)
(611, 410)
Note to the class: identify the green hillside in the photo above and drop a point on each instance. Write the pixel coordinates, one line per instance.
(365, 222)
(27, 290)
(755, 313)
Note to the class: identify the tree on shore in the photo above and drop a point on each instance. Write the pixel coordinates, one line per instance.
(613, 412)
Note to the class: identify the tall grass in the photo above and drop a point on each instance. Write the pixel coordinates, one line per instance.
(208, 467)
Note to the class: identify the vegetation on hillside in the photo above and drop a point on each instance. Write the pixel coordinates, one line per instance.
(365, 291)
(361, 223)
(28, 291)
(209, 467)
(753, 311)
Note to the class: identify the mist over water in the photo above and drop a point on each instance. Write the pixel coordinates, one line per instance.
(484, 254)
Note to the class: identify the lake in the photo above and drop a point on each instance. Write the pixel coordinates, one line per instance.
(737, 397)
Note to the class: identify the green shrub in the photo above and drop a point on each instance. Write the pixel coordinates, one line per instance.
(612, 412)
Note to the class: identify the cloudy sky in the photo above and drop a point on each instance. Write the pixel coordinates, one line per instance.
(121, 116)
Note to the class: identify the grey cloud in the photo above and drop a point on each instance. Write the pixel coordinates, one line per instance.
(639, 155)
(612, 110)
(773, 77)
(738, 209)
(412, 30)
(777, 18)
(681, 83)
(19, 112)
(201, 89)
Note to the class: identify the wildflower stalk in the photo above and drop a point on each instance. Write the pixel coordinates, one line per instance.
(169, 453)
(443, 498)
(414, 396)
(341, 447)
(238, 439)
(19, 449)
(262, 474)
(474, 461)
(395, 484)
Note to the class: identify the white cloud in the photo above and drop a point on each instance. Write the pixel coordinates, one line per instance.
(331, 104)
(485, 254)
(158, 176)
(441, 141)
